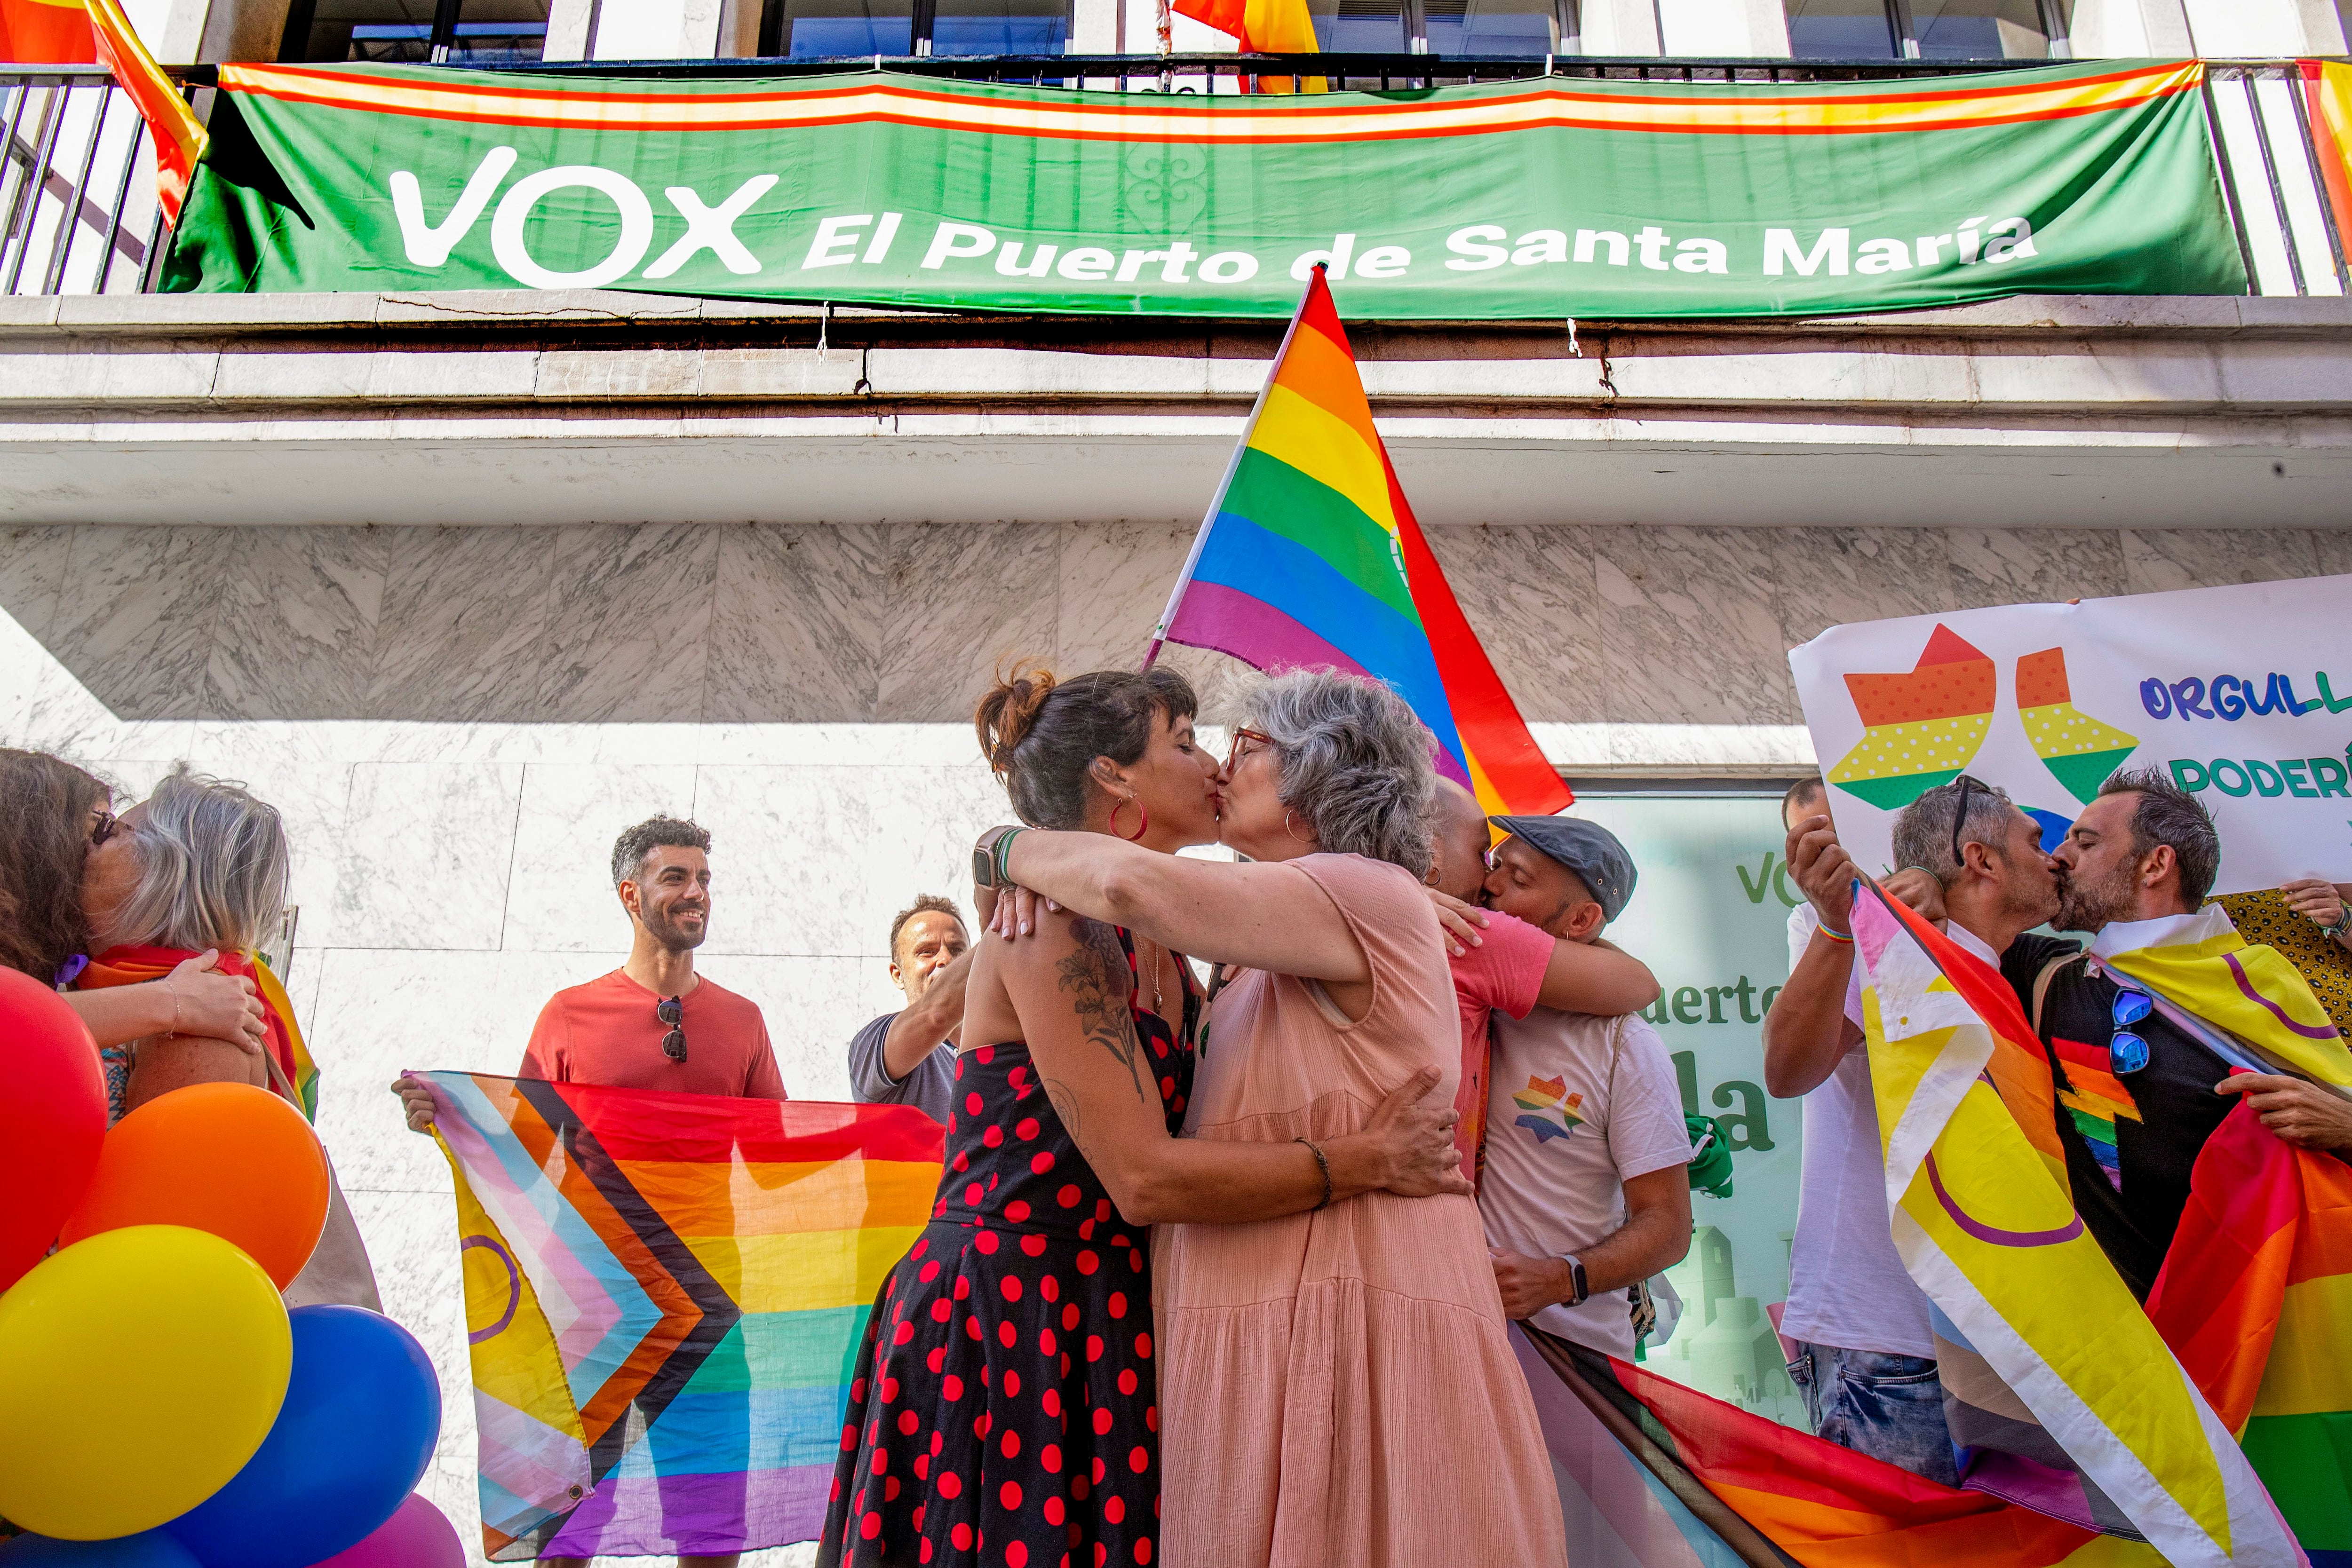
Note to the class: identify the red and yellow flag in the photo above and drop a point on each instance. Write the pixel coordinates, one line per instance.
(1264, 26)
(180, 137)
(46, 33)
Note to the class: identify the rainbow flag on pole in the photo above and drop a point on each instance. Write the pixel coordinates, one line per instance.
(1310, 559)
(665, 1295)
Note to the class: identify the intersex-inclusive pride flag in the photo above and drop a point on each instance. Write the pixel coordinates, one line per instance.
(664, 1294)
(2063, 1395)
(1310, 559)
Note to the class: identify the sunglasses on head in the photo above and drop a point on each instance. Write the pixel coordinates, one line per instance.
(1968, 786)
(673, 1013)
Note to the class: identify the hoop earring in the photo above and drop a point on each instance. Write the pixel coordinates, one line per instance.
(1292, 831)
(1142, 819)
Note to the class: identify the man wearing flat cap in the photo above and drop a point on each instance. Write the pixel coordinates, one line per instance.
(1584, 1192)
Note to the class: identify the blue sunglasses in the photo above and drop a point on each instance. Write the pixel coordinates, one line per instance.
(2126, 1051)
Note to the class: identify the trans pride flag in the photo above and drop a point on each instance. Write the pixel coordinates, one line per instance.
(1310, 559)
(665, 1295)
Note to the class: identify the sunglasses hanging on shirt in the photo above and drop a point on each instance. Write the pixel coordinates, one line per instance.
(673, 1013)
(2126, 1051)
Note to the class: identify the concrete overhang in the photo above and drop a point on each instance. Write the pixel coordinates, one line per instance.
(536, 408)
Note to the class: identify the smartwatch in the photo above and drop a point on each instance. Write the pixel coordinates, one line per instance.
(1576, 1282)
(984, 856)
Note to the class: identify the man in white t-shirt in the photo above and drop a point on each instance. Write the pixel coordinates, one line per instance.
(1865, 1356)
(1584, 1192)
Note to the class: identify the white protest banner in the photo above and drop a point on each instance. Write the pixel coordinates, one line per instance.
(2242, 695)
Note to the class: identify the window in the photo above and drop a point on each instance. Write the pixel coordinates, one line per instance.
(1925, 30)
(415, 32)
(812, 29)
(1498, 28)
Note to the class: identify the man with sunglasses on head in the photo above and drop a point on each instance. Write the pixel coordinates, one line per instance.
(653, 1023)
(1865, 1355)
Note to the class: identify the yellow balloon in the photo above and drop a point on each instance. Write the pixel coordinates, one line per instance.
(140, 1369)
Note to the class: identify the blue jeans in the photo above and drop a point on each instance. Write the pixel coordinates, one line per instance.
(1888, 1406)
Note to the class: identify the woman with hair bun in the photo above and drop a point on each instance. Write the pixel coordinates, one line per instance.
(1337, 1385)
(1005, 1408)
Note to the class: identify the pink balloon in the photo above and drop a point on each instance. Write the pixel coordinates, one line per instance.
(415, 1536)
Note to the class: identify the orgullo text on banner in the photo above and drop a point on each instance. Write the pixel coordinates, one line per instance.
(2241, 696)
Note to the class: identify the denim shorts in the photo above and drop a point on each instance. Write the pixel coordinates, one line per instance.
(1888, 1406)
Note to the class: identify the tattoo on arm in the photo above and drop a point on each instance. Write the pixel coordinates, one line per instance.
(1065, 1106)
(1088, 974)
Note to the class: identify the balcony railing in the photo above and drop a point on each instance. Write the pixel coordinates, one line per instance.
(78, 210)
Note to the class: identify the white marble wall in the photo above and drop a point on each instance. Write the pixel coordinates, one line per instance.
(457, 722)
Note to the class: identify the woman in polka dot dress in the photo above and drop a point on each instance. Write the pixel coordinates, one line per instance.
(1005, 1408)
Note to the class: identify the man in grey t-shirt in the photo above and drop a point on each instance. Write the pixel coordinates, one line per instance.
(907, 1057)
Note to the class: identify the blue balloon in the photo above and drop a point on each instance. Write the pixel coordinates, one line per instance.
(362, 1412)
(148, 1548)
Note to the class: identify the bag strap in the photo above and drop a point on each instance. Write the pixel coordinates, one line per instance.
(2042, 983)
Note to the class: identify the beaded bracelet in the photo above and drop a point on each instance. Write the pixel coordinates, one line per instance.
(1322, 1165)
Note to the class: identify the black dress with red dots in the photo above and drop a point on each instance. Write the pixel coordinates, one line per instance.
(1004, 1412)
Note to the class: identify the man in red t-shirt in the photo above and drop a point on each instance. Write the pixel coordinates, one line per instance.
(1506, 962)
(653, 1023)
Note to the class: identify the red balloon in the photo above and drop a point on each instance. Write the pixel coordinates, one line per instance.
(417, 1536)
(52, 1119)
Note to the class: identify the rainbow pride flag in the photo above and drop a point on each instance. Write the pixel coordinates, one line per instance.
(1310, 559)
(665, 1295)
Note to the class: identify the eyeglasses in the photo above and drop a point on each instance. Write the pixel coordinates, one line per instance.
(1960, 818)
(673, 1013)
(1233, 756)
(2126, 1051)
(1489, 858)
(102, 828)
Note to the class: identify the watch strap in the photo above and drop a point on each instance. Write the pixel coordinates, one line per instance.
(1576, 1280)
(988, 857)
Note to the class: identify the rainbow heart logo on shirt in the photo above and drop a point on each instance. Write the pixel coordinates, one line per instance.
(1548, 1110)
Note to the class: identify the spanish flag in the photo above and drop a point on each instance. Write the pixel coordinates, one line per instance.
(1259, 26)
(180, 137)
(46, 33)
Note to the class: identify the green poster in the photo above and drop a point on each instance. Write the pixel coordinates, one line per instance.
(1543, 198)
(1710, 915)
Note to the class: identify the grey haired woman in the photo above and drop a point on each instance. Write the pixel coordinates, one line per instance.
(200, 863)
(1337, 1386)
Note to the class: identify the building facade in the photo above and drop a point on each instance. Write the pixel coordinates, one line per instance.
(465, 583)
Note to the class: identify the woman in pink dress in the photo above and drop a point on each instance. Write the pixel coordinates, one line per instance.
(1336, 1388)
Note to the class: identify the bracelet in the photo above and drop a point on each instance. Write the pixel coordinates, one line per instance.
(1826, 929)
(172, 985)
(1003, 850)
(1322, 1165)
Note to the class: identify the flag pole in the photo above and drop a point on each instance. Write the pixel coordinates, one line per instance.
(1209, 518)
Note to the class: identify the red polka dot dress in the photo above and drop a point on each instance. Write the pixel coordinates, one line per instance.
(1004, 1409)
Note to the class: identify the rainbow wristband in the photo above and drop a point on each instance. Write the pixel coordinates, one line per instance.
(1833, 933)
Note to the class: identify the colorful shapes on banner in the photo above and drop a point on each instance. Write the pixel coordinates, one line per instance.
(2079, 751)
(1920, 727)
(362, 1414)
(52, 1120)
(226, 1158)
(2053, 827)
(141, 1369)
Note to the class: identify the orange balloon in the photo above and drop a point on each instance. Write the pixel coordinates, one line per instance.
(226, 1158)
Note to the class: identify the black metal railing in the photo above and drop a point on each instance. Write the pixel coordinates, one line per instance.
(78, 211)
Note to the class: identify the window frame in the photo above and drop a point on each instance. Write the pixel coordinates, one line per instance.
(1567, 14)
(1903, 31)
(294, 44)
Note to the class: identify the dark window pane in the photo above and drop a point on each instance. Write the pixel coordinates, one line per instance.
(1981, 29)
(396, 31)
(494, 32)
(1360, 26)
(807, 29)
(1001, 27)
(1840, 30)
(1492, 26)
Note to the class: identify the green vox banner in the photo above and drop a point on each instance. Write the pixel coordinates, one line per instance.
(1538, 198)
